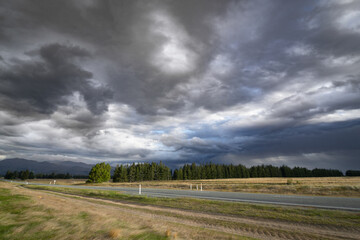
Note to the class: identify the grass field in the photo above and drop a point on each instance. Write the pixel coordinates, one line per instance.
(327, 186)
(29, 214)
(290, 214)
(45, 212)
(24, 216)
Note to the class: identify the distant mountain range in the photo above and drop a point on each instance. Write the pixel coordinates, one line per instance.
(18, 164)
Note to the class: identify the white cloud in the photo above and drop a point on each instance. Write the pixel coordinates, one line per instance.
(333, 61)
(173, 55)
(338, 115)
(221, 65)
(241, 24)
(299, 49)
(350, 20)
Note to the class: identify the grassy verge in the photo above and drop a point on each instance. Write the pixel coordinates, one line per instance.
(249, 228)
(289, 214)
(21, 218)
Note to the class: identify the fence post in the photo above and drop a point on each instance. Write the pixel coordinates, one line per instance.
(201, 187)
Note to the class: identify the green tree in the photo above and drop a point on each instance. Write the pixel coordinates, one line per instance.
(132, 173)
(117, 173)
(180, 175)
(351, 173)
(120, 174)
(9, 175)
(99, 173)
(24, 174)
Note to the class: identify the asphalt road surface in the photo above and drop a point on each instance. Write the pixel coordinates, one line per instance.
(341, 203)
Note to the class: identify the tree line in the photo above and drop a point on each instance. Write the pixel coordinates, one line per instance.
(101, 172)
(154, 171)
(142, 172)
(26, 174)
(351, 173)
(214, 171)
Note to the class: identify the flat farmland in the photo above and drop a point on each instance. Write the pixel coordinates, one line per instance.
(39, 212)
(59, 181)
(326, 186)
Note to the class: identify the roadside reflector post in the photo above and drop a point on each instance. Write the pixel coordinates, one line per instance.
(139, 189)
(190, 186)
(197, 187)
(54, 181)
(201, 187)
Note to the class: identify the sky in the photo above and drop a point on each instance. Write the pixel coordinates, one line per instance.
(241, 82)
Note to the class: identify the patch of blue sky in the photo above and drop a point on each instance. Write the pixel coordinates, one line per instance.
(158, 131)
(251, 91)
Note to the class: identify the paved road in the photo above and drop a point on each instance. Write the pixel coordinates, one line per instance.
(343, 203)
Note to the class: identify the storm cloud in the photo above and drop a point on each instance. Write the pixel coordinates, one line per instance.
(251, 82)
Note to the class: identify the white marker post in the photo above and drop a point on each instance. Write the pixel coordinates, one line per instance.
(190, 186)
(139, 189)
(197, 187)
(54, 182)
(201, 187)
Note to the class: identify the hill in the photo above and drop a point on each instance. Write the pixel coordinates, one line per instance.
(18, 164)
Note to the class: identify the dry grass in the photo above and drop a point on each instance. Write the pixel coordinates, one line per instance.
(115, 233)
(34, 216)
(325, 186)
(283, 213)
(59, 181)
(29, 214)
(264, 222)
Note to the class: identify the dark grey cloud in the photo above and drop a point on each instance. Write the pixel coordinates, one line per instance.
(181, 80)
(43, 82)
(122, 33)
(335, 144)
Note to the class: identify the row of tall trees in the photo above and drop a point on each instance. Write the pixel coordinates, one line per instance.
(26, 174)
(158, 171)
(141, 172)
(352, 173)
(214, 171)
(22, 175)
(154, 171)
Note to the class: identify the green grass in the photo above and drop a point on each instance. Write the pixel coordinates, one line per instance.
(84, 216)
(148, 236)
(26, 218)
(21, 218)
(282, 213)
(13, 215)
